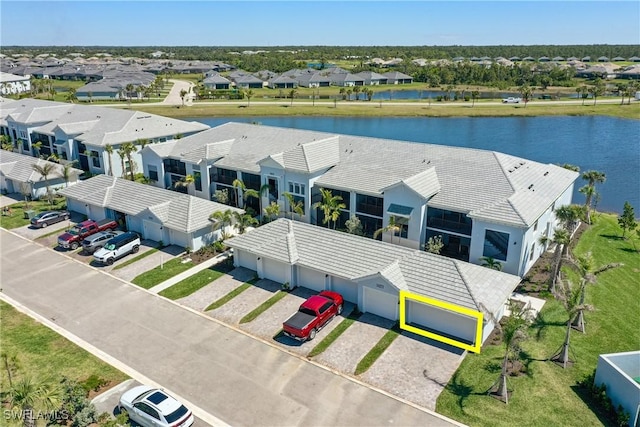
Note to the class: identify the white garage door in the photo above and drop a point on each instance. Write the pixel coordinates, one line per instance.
(381, 303)
(152, 231)
(447, 322)
(275, 270)
(246, 260)
(76, 206)
(312, 279)
(346, 288)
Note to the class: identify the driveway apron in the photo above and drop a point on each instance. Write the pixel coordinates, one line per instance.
(215, 290)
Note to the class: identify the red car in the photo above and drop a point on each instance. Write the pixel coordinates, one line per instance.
(313, 315)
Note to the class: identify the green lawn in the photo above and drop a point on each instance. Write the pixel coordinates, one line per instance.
(159, 274)
(17, 219)
(263, 307)
(44, 354)
(199, 280)
(548, 394)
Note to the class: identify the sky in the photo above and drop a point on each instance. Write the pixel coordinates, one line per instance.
(306, 22)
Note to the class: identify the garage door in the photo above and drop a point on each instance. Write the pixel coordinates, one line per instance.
(152, 231)
(312, 279)
(275, 270)
(346, 288)
(381, 303)
(246, 260)
(76, 206)
(455, 325)
(134, 224)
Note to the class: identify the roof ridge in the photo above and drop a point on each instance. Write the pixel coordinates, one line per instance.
(466, 285)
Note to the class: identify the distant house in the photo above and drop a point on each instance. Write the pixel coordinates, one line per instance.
(618, 59)
(283, 82)
(635, 59)
(248, 81)
(603, 59)
(557, 59)
(515, 59)
(586, 59)
(528, 59)
(371, 78)
(313, 80)
(398, 78)
(12, 84)
(346, 79)
(544, 59)
(216, 82)
(17, 175)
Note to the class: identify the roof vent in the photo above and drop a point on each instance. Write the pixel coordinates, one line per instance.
(546, 173)
(530, 187)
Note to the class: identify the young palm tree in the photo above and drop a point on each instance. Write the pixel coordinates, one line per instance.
(5, 143)
(244, 221)
(474, 95)
(109, 150)
(222, 219)
(186, 182)
(122, 155)
(71, 96)
(30, 397)
(570, 296)
(272, 211)
(240, 188)
(65, 173)
(128, 148)
(250, 192)
(592, 177)
(491, 263)
(36, 146)
(183, 93)
(45, 170)
(561, 238)
(513, 331)
(249, 95)
(295, 207)
(292, 94)
(331, 206)
(392, 227)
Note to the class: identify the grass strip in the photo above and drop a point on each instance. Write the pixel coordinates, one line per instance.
(159, 274)
(335, 333)
(136, 258)
(51, 233)
(377, 350)
(263, 307)
(191, 284)
(43, 353)
(231, 295)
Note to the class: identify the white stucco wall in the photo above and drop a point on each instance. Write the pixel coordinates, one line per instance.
(403, 196)
(617, 371)
(514, 251)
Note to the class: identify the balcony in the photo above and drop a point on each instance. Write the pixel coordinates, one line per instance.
(453, 226)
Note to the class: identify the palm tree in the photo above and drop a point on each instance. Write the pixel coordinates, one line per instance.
(71, 95)
(474, 95)
(30, 397)
(561, 238)
(331, 207)
(36, 146)
(128, 148)
(296, 207)
(183, 93)
(513, 331)
(272, 211)
(249, 95)
(356, 91)
(222, 219)
(257, 194)
(109, 150)
(122, 155)
(526, 92)
(391, 227)
(569, 216)
(244, 221)
(5, 143)
(45, 170)
(239, 187)
(292, 94)
(581, 91)
(129, 89)
(570, 296)
(592, 177)
(491, 263)
(588, 276)
(65, 173)
(186, 182)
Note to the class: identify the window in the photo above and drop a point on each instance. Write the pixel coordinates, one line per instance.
(535, 226)
(296, 188)
(198, 180)
(252, 181)
(225, 176)
(533, 248)
(496, 245)
(153, 173)
(403, 227)
(370, 205)
(175, 166)
(95, 159)
(456, 222)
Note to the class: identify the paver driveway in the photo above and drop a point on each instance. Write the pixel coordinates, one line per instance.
(415, 368)
(238, 307)
(215, 290)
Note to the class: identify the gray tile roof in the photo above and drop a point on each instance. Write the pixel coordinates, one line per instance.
(177, 211)
(484, 184)
(19, 167)
(356, 258)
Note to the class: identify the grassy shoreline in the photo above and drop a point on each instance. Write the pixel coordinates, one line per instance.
(391, 109)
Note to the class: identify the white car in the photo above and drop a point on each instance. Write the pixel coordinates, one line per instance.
(152, 407)
(511, 100)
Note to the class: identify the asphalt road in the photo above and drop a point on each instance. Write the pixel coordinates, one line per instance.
(225, 376)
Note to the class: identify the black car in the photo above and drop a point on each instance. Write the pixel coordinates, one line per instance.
(49, 217)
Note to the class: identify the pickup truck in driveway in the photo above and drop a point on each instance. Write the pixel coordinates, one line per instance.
(313, 315)
(72, 238)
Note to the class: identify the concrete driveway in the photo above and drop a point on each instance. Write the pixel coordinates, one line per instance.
(210, 367)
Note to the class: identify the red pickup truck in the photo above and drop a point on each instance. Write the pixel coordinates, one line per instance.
(313, 315)
(72, 238)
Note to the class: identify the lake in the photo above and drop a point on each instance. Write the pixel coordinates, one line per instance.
(607, 144)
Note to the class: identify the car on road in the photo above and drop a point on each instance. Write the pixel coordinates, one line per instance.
(44, 219)
(511, 100)
(313, 315)
(96, 241)
(153, 407)
(119, 246)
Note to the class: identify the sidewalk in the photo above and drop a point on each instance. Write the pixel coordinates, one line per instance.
(190, 272)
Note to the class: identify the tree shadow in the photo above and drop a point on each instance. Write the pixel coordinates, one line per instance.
(540, 325)
(630, 250)
(611, 237)
(458, 388)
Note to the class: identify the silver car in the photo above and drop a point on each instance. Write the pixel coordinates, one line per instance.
(96, 241)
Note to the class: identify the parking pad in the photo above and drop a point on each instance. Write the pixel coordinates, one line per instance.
(415, 368)
(215, 290)
(242, 304)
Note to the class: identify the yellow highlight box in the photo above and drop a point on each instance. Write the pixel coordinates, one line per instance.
(475, 347)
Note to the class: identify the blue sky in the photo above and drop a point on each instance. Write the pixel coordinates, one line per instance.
(271, 23)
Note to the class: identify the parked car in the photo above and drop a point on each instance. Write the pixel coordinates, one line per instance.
(511, 100)
(119, 246)
(96, 241)
(313, 315)
(153, 407)
(73, 238)
(44, 219)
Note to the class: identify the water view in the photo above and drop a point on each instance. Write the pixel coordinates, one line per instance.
(606, 144)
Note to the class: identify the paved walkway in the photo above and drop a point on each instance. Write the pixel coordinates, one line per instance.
(215, 368)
